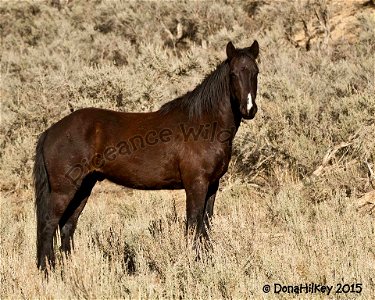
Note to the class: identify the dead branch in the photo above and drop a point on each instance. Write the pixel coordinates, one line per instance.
(328, 157)
(366, 203)
(332, 152)
(371, 175)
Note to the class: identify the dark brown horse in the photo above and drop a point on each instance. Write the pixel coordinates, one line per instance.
(187, 144)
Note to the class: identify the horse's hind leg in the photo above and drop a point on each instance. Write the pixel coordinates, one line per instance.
(68, 226)
(48, 226)
(68, 222)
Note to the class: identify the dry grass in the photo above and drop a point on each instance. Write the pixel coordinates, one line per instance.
(297, 203)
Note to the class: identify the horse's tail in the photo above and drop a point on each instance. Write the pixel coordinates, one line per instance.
(42, 193)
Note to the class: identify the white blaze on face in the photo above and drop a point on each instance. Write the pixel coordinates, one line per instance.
(249, 103)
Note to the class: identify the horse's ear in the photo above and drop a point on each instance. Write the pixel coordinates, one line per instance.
(254, 49)
(231, 50)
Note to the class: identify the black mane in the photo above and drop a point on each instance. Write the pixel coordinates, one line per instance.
(205, 97)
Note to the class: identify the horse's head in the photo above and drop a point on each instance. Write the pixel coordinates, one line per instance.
(244, 78)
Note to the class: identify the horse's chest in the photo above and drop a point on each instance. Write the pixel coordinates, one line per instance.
(216, 163)
(222, 162)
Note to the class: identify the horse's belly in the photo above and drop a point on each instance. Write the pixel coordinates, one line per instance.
(133, 180)
(144, 173)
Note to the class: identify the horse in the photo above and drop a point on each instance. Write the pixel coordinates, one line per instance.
(186, 144)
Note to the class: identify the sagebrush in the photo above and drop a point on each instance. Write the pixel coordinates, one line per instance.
(288, 209)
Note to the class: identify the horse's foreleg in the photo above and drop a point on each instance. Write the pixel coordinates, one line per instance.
(196, 192)
(209, 209)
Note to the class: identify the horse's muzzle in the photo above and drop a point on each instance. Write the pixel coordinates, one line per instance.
(251, 114)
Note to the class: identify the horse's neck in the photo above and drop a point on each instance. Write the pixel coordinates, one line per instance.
(229, 111)
(229, 115)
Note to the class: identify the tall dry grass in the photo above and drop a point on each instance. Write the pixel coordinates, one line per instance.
(288, 209)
